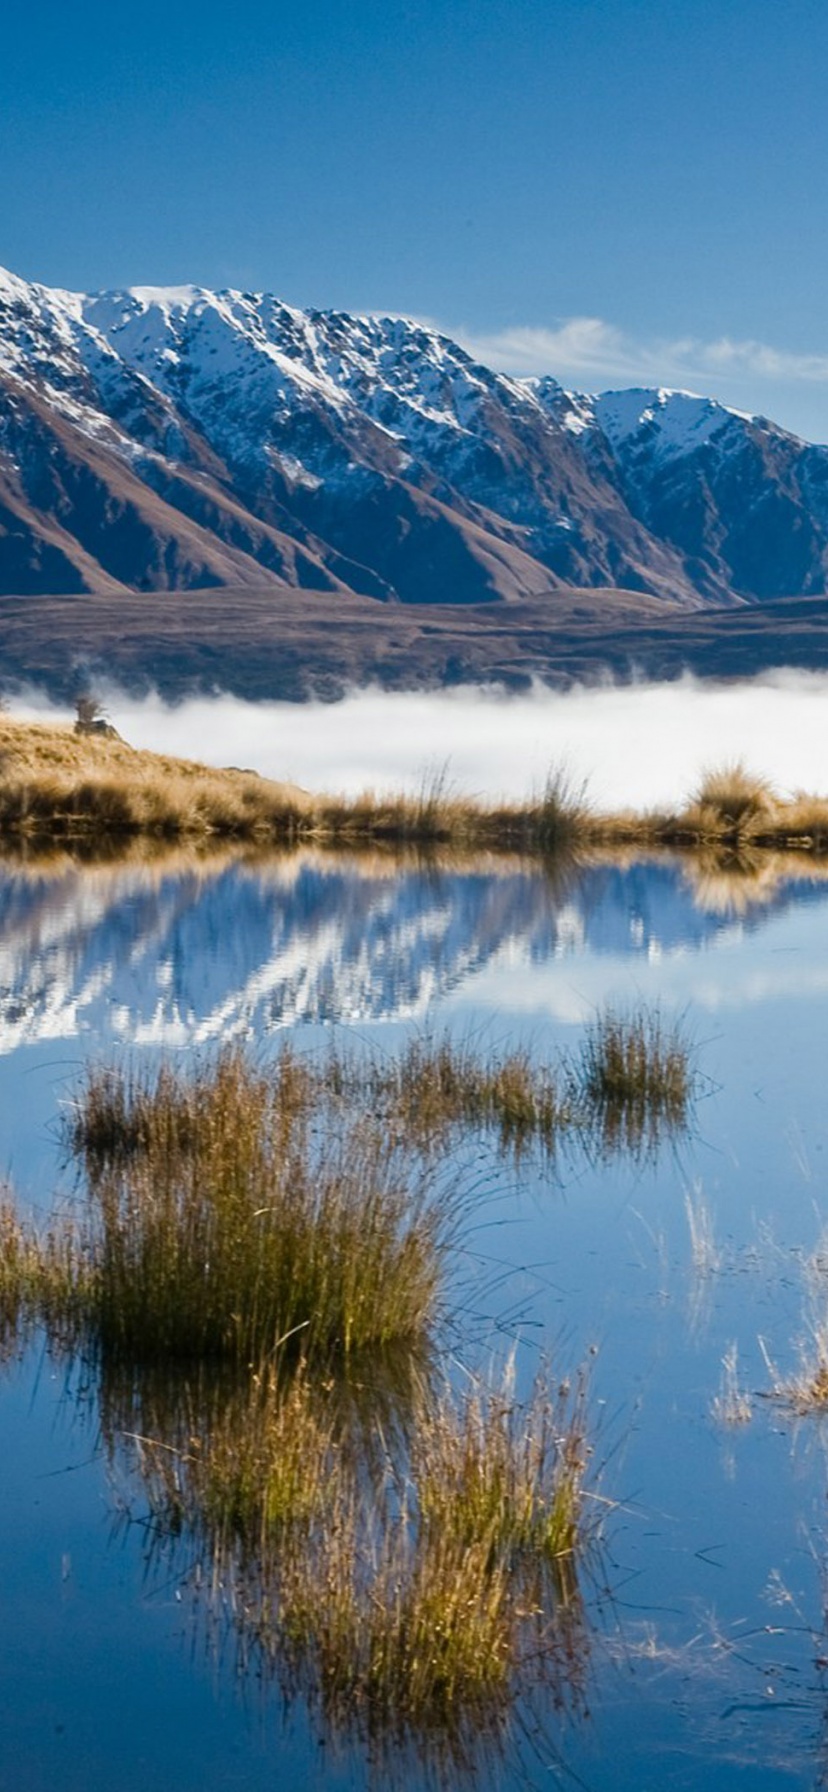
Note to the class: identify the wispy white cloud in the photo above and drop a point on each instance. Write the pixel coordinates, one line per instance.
(588, 349)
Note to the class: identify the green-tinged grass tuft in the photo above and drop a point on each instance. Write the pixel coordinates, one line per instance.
(228, 1208)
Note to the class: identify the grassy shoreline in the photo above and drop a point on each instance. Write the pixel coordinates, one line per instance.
(60, 786)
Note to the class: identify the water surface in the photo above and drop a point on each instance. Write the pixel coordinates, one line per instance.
(705, 1599)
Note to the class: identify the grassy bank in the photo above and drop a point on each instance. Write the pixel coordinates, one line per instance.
(55, 784)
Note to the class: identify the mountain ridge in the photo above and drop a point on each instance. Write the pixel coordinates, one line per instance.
(163, 439)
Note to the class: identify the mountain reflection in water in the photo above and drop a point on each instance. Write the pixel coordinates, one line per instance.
(182, 949)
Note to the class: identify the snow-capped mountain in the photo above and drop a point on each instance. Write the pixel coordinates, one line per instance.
(177, 439)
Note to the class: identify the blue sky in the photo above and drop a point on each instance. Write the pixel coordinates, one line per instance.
(616, 191)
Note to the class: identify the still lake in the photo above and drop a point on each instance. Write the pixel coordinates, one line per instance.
(705, 1596)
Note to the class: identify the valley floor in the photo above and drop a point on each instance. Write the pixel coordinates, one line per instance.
(294, 644)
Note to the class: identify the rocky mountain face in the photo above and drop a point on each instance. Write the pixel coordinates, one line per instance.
(158, 439)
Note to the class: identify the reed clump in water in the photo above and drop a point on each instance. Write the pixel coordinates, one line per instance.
(409, 1607)
(122, 1113)
(635, 1076)
(230, 1205)
(626, 1065)
(438, 1083)
(631, 1080)
(228, 1208)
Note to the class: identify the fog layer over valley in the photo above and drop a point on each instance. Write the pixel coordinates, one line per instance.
(639, 745)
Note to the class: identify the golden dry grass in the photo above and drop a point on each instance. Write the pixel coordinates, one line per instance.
(54, 781)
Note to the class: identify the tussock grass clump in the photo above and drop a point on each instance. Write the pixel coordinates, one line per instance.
(436, 1084)
(227, 1208)
(234, 1246)
(732, 798)
(564, 813)
(121, 1113)
(635, 1076)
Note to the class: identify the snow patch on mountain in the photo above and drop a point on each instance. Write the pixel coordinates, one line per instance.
(673, 423)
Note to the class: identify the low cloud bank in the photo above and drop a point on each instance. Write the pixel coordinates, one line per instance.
(634, 744)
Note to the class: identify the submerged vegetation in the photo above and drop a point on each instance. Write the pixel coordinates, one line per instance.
(57, 784)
